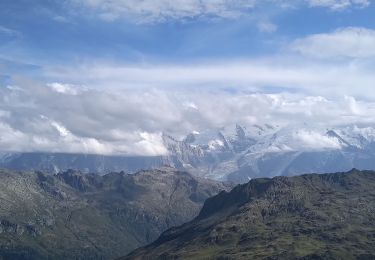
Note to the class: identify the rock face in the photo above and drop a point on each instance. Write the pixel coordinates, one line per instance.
(80, 216)
(328, 216)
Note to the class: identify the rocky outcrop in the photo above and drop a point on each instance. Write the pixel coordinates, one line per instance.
(73, 215)
(328, 216)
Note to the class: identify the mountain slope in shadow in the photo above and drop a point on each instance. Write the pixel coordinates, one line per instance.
(80, 216)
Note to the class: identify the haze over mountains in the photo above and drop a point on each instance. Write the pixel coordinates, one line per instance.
(233, 153)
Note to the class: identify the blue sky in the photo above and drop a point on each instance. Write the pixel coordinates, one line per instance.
(68, 32)
(105, 57)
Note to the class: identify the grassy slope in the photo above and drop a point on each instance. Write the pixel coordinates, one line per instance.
(330, 216)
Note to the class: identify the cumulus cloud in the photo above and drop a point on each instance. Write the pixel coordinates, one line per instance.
(36, 117)
(350, 42)
(44, 118)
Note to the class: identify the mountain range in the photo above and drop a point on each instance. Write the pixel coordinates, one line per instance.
(315, 216)
(72, 215)
(237, 154)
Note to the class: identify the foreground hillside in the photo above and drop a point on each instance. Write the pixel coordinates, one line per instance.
(329, 216)
(77, 216)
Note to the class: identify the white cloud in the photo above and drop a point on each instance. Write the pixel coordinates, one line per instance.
(267, 26)
(339, 4)
(316, 141)
(37, 118)
(161, 10)
(64, 88)
(351, 42)
(190, 105)
(60, 19)
(9, 34)
(181, 98)
(151, 11)
(7, 31)
(61, 129)
(286, 73)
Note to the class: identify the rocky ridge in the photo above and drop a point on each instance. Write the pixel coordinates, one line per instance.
(327, 216)
(73, 215)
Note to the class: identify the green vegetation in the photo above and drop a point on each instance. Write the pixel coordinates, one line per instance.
(77, 216)
(328, 216)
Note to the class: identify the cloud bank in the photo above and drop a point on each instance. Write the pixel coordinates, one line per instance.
(36, 117)
(123, 109)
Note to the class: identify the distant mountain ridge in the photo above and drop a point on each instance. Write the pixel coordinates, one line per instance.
(234, 153)
(314, 216)
(88, 163)
(73, 215)
(266, 151)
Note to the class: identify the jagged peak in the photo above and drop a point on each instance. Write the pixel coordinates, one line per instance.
(240, 132)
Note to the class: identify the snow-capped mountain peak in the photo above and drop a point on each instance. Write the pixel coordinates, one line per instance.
(226, 151)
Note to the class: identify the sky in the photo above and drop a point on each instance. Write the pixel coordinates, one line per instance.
(109, 77)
